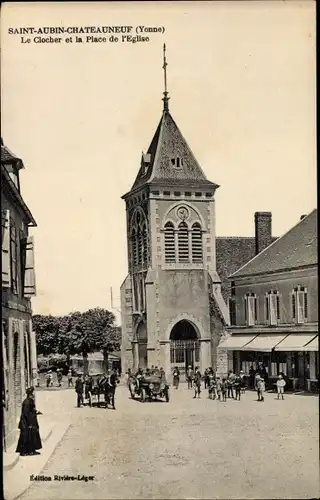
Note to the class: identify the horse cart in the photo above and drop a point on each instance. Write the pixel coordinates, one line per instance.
(102, 393)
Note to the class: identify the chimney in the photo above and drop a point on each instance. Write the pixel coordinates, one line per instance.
(303, 216)
(263, 233)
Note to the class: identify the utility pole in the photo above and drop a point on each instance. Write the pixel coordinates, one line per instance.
(112, 303)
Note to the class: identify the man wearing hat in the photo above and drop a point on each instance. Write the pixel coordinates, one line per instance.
(29, 440)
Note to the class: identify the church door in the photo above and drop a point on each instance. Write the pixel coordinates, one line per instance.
(184, 346)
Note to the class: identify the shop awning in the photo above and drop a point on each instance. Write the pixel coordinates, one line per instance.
(295, 342)
(236, 342)
(264, 342)
(313, 345)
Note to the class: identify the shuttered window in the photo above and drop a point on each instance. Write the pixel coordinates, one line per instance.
(232, 311)
(14, 258)
(196, 241)
(251, 309)
(272, 307)
(183, 242)
(299, 302)
(5, 244)
(169, 243)
(29, 278)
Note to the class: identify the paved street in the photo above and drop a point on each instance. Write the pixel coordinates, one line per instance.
(184, 449)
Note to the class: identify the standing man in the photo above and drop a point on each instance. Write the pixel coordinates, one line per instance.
(79, 391)
(176, 377)
(231, 380)
(197, 383)
(29, 440)
(70, 379)
(110, 388)
(59, 377)
(189, 376)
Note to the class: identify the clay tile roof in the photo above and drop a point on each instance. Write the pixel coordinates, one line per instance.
(296, 248)
(167, 145)
(8, 157)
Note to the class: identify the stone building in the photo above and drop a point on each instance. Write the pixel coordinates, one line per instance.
(274, 309)
(173, 312)
(19, 360)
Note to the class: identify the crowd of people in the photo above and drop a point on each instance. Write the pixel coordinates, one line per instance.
(231, 386)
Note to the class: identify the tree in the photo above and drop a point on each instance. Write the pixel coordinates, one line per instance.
(78, 333)
(91, 331)
(47, 331)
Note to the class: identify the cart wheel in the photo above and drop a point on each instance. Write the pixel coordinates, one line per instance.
(143, 395)
(167, 395)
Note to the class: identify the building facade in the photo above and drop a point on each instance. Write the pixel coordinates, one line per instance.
(274, 309)
(173, 312)
(19, 359)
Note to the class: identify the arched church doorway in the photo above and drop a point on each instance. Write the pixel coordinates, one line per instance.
(184, 345)
(142, 338)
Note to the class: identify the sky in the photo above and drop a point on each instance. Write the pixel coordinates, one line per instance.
(241, 77)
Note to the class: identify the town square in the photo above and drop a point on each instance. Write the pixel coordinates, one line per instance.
(159, 255)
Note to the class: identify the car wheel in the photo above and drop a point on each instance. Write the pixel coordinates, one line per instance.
(143, 395)
(167, 396)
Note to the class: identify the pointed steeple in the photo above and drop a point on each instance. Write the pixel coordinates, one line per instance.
(165, 93)
(169, 160)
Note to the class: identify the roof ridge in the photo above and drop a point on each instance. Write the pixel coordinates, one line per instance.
(263, 252)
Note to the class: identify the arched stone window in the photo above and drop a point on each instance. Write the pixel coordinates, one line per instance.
(139, 240)
(196, 243)
(183, 243)
(169, 243)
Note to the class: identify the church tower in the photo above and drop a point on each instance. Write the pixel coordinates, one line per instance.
(172, 309)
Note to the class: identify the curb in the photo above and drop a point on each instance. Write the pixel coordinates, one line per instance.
(62, 429)
(9, 466)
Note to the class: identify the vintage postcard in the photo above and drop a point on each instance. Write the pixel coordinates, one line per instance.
(159, 250)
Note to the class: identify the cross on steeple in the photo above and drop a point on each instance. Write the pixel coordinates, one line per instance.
(165, 93)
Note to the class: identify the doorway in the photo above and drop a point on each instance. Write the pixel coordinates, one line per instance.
(184, 346)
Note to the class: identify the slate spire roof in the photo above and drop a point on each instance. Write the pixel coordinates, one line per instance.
(296, 248)
(169, 160)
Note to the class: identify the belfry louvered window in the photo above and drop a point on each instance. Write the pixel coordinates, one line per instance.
(169, 243)
(134, 247)
(140, 246)
(183, 242)
(145, 243)
(197, 255)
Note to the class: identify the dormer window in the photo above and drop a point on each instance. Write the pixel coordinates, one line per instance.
(13, 173)
(177, 162)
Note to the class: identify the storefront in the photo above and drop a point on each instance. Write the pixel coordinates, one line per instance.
(294, 355)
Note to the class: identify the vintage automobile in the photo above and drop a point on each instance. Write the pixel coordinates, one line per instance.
(149, 387)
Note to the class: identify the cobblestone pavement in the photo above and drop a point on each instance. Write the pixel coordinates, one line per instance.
(185, 449)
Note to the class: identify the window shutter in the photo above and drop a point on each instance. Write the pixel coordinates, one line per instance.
(294, 305)
(29, 277)
(300, 307)
(273, 309)
(5, 234)
(251, 310)
(305, 304)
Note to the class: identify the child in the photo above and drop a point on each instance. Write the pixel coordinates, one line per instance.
(280, 386)
(218, 388)
(261, 387)
(224, 389)
(237, 386)
(211, 386)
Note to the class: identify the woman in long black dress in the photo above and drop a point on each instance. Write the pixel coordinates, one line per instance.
(29, 440)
